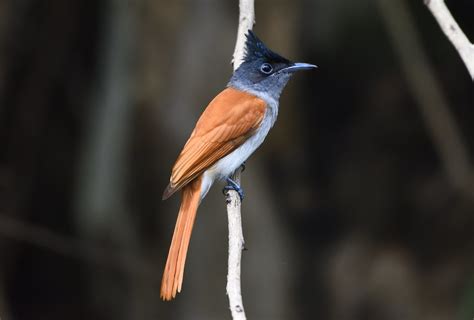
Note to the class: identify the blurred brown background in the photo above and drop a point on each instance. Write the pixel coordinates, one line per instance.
(360, 205)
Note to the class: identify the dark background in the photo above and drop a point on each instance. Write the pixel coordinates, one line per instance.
(360, 204)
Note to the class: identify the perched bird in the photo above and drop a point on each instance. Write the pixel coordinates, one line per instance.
(230, 129)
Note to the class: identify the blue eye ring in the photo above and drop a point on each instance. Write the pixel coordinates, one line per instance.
(266, 68)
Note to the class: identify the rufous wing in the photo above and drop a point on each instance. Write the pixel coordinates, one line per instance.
(228, 121)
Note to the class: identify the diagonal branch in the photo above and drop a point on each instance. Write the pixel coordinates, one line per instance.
(236, 238)
(440, 123)
(454, 33)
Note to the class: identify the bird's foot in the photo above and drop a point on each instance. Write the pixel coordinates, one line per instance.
(232, 185)
(242, 167)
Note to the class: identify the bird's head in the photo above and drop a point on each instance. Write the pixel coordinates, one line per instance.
(264, 71)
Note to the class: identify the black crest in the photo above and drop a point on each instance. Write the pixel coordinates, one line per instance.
(256, 49)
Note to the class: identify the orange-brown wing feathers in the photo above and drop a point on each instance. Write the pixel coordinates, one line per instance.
(228, 121)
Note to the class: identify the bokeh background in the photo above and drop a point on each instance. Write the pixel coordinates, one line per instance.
(360, 204)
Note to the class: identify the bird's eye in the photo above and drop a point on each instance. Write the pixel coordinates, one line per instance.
(266, 68)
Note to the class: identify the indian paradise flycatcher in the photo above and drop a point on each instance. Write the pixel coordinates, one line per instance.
(229, 130)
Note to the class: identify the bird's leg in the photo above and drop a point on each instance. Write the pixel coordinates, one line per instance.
(232, 185)
(242, 166)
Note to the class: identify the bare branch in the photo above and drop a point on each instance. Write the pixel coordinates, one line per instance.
(440, 123)
(454, 33)
(236, 245)
(246, 21)
(236, 237)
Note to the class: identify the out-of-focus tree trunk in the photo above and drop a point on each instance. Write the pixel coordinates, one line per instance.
(4, 19)
(103, 212)
(40, 68)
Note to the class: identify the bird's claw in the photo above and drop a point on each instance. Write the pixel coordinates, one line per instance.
(232, 185)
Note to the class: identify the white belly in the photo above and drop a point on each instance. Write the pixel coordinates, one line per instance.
(227, 165)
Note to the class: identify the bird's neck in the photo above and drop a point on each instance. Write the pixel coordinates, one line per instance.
(271, 100)
(268, 89)
(270, 97)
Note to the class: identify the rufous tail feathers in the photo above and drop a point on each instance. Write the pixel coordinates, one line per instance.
(174, 268)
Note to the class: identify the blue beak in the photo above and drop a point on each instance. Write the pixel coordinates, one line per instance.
(297, 66)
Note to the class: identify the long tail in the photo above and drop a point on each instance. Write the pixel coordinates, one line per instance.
(174, 268)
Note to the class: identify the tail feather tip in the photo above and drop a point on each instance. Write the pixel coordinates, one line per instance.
(168, 192)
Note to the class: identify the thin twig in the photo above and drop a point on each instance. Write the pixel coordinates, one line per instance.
(440, 122)
(236, 237)
(236, 245)
(246, 21)
(454, 33)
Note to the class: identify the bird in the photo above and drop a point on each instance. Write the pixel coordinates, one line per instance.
(231, 128)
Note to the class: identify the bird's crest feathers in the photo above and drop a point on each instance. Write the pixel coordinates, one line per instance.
(256, 49)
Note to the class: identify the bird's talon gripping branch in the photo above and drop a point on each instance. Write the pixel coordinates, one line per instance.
(225, 192)
(232, 185)
(227, 196)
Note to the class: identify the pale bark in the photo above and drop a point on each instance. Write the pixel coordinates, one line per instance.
(236, 237)
(440, 123)
(454, 33)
